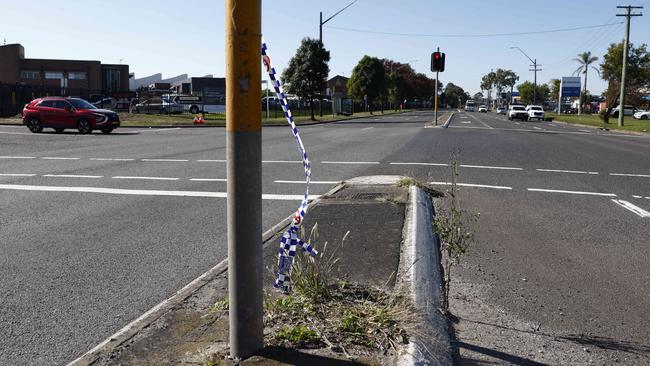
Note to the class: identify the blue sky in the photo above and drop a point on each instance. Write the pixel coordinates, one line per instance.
(176, 37)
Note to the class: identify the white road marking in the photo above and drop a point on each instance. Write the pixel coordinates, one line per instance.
(282, 161)
(483, 123)
(211, 161)
(350, 162)
(635, 196)
(166, 160)
(636, 209)
(116, 191)
(367, 128)
(72, 176)
(58, 158)
(465, 122)
(110, 159)
(208, 179)
(167, 129)
(144, 178)
(426, 164)
(17, 157)
(630, 175)
(16, 175)
(472, 185)
(571, 192)
(566, 171)
(537, 128)
(490, 167)
(302, 181)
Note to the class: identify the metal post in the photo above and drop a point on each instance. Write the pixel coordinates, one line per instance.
(244, 168)
(559, 99)
(627, 15)
(320, 28)
(535, 83)
(267, 99)
(435, 101)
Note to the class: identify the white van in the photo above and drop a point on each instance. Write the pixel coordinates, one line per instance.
(470, 106)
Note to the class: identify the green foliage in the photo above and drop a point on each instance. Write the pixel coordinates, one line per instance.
(307, 73)
(638, 72)
(555, 89)
(297, 334)
(219, 306)
(368, 79)
(526, 92)
(402, 82)
(454, 96)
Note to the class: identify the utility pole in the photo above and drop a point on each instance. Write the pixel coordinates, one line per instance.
(535, 68)
(244, 169)
(626, 48)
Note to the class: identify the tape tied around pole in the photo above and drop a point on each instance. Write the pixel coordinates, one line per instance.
(289, 243)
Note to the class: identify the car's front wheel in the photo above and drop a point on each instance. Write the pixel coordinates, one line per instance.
(107, 130)
(644, 117)
(194, 109)
(34, 125)
(84, 126)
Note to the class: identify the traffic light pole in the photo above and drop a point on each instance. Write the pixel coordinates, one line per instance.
(244, 175)
(435, 99)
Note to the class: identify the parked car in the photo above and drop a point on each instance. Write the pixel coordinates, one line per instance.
(642, 115)
(159, 105)
(482, 109)
(629, 111)
(535, 112)
(517, 112)
(60, 113)
(501, 110)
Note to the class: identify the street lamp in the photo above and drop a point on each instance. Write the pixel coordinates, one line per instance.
(535, 69)
(320, 27)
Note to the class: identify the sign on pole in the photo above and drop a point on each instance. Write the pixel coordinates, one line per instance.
(570, 86)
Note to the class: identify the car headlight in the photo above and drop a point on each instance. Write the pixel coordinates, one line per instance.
(100, 118)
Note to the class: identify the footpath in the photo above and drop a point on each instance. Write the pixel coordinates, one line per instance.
(380, 305)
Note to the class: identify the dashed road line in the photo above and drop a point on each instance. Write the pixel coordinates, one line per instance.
(16, 175)
(111, 159)
(630, 175)
(425, 164)
(166, 160)
(282, 161)
(351, 162)
(211, 161)
(58, 158)
(303, 182)
(367, 128)
(144, 178)
(537, 128)
(17, 157)
(571, 192)
(72, 176)
(635, 196)
(631, 207)
(472, 185)
(490, 167)
(566, 171)
(208, 179)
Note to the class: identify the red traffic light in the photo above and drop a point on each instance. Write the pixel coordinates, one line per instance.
(437, 61)
(436, 55)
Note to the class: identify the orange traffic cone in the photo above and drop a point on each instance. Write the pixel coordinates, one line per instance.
(196, 120)
(201, 120)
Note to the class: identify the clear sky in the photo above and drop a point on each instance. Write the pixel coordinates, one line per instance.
(176, 37)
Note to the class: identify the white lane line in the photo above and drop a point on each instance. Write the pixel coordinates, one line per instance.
(566, 171)
(116, 191)
(465, 122)
(72, 176)
(426, 164)
(630, 175)
(144, 178)
(635, 196)
(166, 160)
(208, 179)
(350, 162)
(490, 167)
(110, 159)
(58, 158)
(636, 209)
(17, 157)
(282, 161)
(472, 185)
(302, 181)
(16, 175)
(483, 123)
(167, 129)
(571, 192)
(537, 128)
(367, 128)
(211, 161)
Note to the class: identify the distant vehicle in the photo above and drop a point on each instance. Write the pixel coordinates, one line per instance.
(517, 112)
(501, 110)
(629, 111)
(159, 105)
(535, 112)
(644, 115)
(482, 109)
(196, 104)
(470, 106)
(60, 113)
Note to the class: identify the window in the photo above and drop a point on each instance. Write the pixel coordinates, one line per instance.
(77, 75)
(29, 74)
(53, 75)
(61, 104)
(47, 104)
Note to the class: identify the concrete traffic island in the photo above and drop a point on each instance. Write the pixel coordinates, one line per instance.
(371, 299)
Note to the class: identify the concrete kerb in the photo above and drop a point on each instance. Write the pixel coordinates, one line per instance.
(446, 124)
(153, 314)
(600, 128)
(420, 271)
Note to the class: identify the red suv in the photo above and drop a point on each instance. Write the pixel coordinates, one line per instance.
(60, 113)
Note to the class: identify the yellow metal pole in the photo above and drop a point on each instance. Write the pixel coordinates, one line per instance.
(244, 167)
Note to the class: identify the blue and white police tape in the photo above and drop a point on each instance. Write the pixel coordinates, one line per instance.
(289, 242)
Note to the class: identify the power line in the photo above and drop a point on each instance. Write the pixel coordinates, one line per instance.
(474, 35)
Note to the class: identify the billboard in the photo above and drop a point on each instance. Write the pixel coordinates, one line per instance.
(570, 86)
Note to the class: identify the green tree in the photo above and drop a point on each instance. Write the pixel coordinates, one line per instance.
(638, 73)
(555, 89)
(454, 96)
(368, 79)
(487, 83)
(510, 79)
(585, 60)
(527, 91)
(307, 73)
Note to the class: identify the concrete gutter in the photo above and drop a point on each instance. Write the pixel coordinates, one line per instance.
(420, 272)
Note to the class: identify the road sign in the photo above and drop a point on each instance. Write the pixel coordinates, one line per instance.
(570, 86)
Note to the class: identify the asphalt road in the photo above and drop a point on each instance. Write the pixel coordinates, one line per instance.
(95, 230)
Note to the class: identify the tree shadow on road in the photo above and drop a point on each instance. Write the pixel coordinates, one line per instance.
(608, 343)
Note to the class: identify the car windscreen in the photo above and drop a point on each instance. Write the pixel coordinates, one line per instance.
(81, 104)
(518, 109)
(536, 108)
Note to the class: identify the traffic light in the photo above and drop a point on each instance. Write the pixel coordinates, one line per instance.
(438, 61)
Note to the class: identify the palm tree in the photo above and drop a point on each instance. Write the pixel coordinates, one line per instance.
(585, 59)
